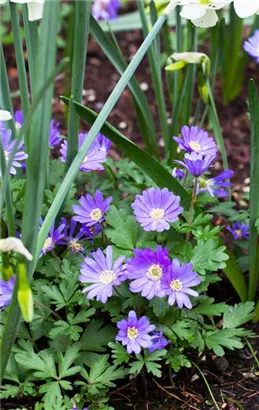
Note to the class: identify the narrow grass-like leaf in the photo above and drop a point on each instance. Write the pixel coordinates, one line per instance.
(31, 38)
(5, 95)
(157, 78)
(72, 136)
(152, 168)
(8, 198)
(254, 190)
(20, 58)
(144, 115)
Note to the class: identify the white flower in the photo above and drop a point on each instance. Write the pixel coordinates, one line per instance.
(202, 12)
(16, 245)
(246, 8)
(190, 57)
(5, 115)
(35, 7)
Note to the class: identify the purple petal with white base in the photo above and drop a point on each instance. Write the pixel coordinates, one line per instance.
(103, 273)
(196, 140)
(178, 282)
(54, 134)
(134, 333)
(217, 186)
(178, 173)
(196, 164)
(146, 270)
(92, 209)
(71, 238)
(8, 146)
(251, 46)
(156, 208)
(6, 291)
(54, 237)
(94, 158)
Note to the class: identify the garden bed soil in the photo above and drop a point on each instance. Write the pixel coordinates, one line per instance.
(234, 379)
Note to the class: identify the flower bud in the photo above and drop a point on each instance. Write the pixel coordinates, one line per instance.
(6, 268)
(24, 295)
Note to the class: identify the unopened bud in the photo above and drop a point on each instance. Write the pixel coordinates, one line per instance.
(24, 295)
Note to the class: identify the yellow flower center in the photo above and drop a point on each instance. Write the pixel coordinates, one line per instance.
(132, 333)
(75, 246)
(154, 272)
(203, 183)
(176, 285)
(195, 146)
(18, 125)
(48, 242)
(96, 214)
(157, 213)
(205, 2)
(238, 232)
(107, 277)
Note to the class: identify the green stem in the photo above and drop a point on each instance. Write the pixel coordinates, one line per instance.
(252, 352)
(5, 95)
(194, 196)
(31, 37)
(207, 385)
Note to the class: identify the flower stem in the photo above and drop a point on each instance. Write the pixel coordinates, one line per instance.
(194, 196)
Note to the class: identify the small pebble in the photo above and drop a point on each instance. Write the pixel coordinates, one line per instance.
(247, 181)
(144, 86)
(123, 125)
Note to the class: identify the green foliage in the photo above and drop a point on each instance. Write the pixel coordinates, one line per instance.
(149, 361)
(208, 256)
(237, 315)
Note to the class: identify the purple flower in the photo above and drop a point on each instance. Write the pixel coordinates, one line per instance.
(177, 283)
(91, 209)
(54, 237)
(54, 134)
(216, 186)
(104, 142)
(134, 332)
(18, 119)
(239, 230)
(105, 9)
(196, 140)
(196, 164)
(159, 342)
(251, 46)
(6, 291)
(70, 238)
(147, 269)
(8, 145)
(103, 273)
(178, 173)
(155, 208)
(91, 231)
(94, 158)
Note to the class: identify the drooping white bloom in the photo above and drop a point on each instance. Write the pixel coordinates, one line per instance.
(246, 8)
(35, 7)
(202, 12)
(15, 245)
(5, 115)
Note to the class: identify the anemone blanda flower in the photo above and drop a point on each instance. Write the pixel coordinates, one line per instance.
(159, 342)
(91, 231)
(8, 145)
(71, 238)
(251, 46)
(6, 291)
(196, 140)
(146, 270)
(178, 282)
(246, 8)
(156, 208)
(105, 9)
(178, 173)
(217, 185)
(196, 164)
(104, 142)
(91, 209)
(134, 332)
(54, 237)
(102, 273)
(93, 160)
(239, 230)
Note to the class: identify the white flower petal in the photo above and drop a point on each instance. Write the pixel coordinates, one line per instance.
(191, 57)
(210, 19)
(35, 10)
(5, 115)
(16, 245)
(193, 11)
(246, 8)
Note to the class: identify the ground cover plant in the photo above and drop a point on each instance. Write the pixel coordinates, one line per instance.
(115, 255)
